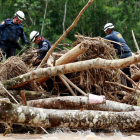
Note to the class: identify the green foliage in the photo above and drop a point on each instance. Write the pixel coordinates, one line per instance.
(124, 14)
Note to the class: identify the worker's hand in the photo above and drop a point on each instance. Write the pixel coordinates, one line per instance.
(27, 43)
(34, 51)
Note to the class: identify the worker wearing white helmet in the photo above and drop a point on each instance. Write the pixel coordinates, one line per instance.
(10, 31)
(43, 46)
(123, 51)
(20, 15)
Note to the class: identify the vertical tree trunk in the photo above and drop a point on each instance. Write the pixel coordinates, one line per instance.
(63, 24)
(44, 17)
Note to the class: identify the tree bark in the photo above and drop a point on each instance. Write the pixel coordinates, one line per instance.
(79, 102)
(69, 68)
(49, 118)
(63, 24)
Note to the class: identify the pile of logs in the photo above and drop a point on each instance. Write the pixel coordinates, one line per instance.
(91, 67)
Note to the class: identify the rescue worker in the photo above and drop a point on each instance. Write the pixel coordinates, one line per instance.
(10, 31)
(43, 47)
(123, 51)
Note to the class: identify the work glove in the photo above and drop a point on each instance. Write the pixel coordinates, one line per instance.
(27, 43)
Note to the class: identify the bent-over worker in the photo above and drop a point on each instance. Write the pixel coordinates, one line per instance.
(123, 51)
(43, 47)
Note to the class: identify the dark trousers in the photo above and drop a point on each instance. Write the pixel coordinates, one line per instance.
(128, 73)
(127, 69)
(8, 50)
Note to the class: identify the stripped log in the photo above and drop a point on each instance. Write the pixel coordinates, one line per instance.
(49, 118)
(78, 102)
(69, 68)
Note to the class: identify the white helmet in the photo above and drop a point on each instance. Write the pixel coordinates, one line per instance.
(20, 15)
(33, 35)
(108, 26)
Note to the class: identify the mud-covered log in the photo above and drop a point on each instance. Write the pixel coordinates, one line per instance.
(80, 102)
(69, 68)
(49, 118)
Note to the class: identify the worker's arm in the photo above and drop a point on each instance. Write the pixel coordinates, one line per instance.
(23, 37)
(2, 26)
(45, 48)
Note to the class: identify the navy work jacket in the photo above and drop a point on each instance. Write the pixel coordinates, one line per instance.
(44, 46)
(117, 37)
(10, 32)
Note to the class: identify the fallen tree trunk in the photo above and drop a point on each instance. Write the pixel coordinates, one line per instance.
(78, 102)
(69, 68)
(49, 118)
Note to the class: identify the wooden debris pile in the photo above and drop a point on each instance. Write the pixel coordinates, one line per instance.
(90, 81)
(91, 66)
(93, 70)
(12, 67)
(93, 81)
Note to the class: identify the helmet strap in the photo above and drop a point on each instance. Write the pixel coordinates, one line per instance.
(19, 16)
(34, 36)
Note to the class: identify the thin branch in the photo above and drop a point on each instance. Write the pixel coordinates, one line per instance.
(135, 41)
(64, 34)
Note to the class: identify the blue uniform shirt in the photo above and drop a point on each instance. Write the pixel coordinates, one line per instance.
(117, 37)
(44, 46)
(10, 32)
